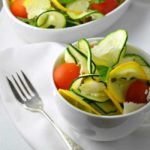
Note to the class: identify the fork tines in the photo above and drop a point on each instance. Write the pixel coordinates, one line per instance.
(21, 87)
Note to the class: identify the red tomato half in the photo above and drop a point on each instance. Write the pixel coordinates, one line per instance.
(18, 9)
(105, 7)
(137, 92)
(65, 74)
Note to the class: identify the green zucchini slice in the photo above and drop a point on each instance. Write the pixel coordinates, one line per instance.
(96, 15)
(81, 59)
(69, 58)
(108, 51)
(90, 88)
(133, 57)
(51, 19)
(84, 47)
(107, 108)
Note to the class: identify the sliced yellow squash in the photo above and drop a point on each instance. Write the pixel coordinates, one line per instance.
(77, 101)
(115, 102)
(120, 78)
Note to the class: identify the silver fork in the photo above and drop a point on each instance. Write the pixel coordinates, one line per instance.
(27, 95)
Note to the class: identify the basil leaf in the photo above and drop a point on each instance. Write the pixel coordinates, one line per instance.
(103, 71)
(28, 21)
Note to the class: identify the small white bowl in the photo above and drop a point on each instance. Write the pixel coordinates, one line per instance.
(100, 128)
(70, 34)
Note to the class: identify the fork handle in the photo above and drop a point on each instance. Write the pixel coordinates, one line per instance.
(69, 142)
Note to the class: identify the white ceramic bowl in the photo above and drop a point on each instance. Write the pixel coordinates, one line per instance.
(71, 34)
(100, 128)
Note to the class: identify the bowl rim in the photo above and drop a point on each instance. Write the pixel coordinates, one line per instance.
(6, 7)
(140, 110)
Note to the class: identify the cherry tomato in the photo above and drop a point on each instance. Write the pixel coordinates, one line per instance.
(18, 9)
(65, 74)
(137, 92)
(105, 7)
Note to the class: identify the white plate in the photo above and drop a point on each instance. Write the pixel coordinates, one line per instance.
(136, 21)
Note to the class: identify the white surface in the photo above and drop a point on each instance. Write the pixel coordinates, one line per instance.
(137, 21)
(10, 139)
(32, 126)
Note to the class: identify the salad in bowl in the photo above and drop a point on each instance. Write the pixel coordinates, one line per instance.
(61, 13)
(49, 20)
(104, 77)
